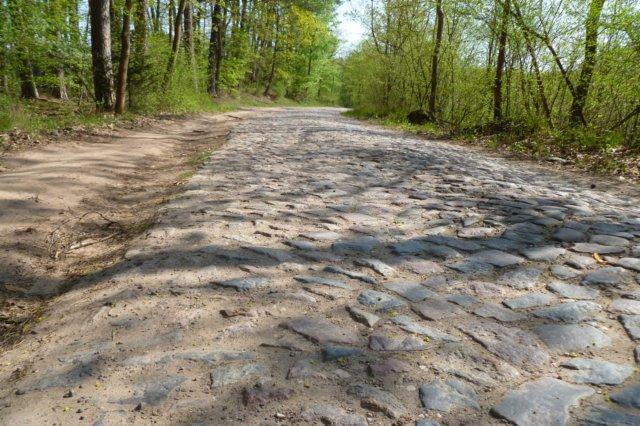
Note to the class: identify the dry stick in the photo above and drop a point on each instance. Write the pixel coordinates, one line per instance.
(89, 242)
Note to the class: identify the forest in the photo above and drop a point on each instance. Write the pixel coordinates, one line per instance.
(560, 74)
(544, 76)
(162, 55)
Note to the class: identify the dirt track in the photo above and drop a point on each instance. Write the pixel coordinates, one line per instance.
(322, 270)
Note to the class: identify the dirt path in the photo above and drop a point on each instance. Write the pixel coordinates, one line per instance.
(319, 270)
(70, 208)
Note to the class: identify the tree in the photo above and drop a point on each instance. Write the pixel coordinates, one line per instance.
(435, 59)
(505, 5)
(101, 54)
(125, 49)
(589, 63)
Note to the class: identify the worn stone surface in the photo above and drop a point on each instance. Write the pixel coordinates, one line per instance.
(410, 290)
(598, 372)
(226, 375)
(542, 402)
(377, 265)
(572, 337)
(529, 300)
(378, 400)
(573, 291)
(448, 395)
(322, 331)
(409, 325)
(605, 416)
(493, 310)
(380, 301)
(631, 324)
(625, 306)
(512, 344)
(436, 309)
(382, 342)
(307, 193)
(263, 394)
(570, 312)
(628, 397)
(244, 284)
(498, 258)
(308, 279)
(362, 316)
(609, 276)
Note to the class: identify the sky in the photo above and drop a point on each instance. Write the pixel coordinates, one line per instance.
(350, 30)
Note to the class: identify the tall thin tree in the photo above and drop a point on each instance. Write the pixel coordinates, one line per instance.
(101, 53)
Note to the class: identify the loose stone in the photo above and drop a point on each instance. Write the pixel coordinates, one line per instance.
(358, 245)
(579, 261)
(377, 265)
(609, 240)
(448, 395)
(471, 268)
(604, 416)
(632, 263)
(540, 403)
(378, 400)
(362, 316)
(463, 300)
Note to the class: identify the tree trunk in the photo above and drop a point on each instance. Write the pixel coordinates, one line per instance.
(61, 91)
(275, 56)
(175, 47)
(101, 54)
(215, 49)
(536, 66)
(156, 21)
(141, 31)
(125, 50)
(188, 41)
(589, 63)
(502, 53)
(435, 59)
(28, 88)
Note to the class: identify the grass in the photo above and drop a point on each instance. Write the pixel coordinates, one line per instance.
(31, 120)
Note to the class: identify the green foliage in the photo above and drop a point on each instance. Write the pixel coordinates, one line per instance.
(389, 74)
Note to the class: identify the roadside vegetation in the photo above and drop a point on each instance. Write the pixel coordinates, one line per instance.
(69, 62)
(553, 79)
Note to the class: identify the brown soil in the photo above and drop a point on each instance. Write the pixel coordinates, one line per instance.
(69, 208)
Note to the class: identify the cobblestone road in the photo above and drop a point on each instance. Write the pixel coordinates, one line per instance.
(320, 270)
